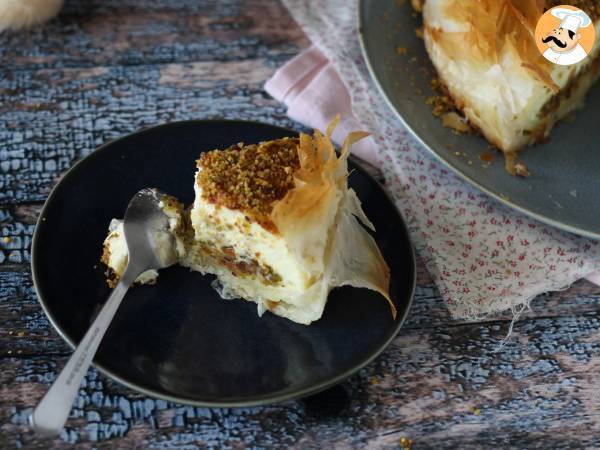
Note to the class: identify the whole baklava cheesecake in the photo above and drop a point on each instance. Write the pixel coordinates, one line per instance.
(487, 60)
(277, 224)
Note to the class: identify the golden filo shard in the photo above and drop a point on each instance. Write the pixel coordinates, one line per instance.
(319, 220)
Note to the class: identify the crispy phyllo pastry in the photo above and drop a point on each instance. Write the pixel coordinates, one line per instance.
(278, 225)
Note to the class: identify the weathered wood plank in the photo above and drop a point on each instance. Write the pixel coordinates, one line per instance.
(17, 225)
(50, 118)
(105, 33)
(25, 328)
(442, 388)
(26, 331)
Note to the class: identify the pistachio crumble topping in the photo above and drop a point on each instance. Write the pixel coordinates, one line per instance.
(249, 178)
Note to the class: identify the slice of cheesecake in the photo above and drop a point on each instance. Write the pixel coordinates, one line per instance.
(278, 225)
(486, 57)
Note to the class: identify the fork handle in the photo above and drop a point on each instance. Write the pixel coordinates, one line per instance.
(51, 413)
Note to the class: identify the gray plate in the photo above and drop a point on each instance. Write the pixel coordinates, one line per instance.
(564, 186)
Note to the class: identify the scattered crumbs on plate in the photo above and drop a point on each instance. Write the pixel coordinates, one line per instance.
(7, 239)
(573, 193)
(413, 59)
(401, 50)
(476, 411)
(440, 102)
(405, 443)
(484, 165)
(400, 2)
(418, 91)
(419, 32)
(487, 157)
(521, 169)
(454, 121)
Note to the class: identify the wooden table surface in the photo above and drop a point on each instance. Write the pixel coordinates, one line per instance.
(105, 68)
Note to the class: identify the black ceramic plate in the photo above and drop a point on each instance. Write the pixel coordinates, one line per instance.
(179, 340)
(563, 188)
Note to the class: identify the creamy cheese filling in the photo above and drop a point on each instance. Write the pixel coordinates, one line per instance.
(115, 254)
(253, 263)
(234, 235)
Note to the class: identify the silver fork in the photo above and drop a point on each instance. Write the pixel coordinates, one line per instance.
(150, 246)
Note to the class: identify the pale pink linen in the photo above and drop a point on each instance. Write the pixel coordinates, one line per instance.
(314, 93)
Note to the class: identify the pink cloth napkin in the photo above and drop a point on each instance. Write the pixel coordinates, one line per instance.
(314, 93)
